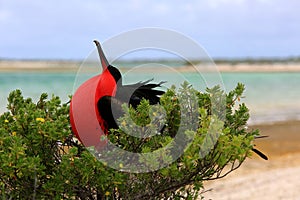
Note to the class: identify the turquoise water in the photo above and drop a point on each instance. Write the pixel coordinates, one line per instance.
(270, 96)
(33, 84)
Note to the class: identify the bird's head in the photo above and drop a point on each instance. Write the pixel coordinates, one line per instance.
(106, 66)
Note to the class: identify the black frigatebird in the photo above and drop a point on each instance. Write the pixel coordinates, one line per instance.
(109, 105)
(110, 94)
(97, 103)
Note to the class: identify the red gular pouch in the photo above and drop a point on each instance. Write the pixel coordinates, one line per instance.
(86, 122)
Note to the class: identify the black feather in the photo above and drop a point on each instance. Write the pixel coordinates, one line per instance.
(134, 93)
(263, 156)
(110, 109)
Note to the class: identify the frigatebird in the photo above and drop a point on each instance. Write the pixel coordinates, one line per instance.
(109, 105)
(110, 94)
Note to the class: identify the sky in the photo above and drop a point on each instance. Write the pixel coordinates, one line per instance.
(32, 29)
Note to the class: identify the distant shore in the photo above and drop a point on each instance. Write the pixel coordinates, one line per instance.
(26, 65)
(73, 66)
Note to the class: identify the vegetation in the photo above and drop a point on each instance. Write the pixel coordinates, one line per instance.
(40, 158)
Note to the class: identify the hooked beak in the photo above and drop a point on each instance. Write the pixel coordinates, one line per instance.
(103, 59)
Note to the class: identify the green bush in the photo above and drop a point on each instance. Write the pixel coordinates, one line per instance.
(40, 158)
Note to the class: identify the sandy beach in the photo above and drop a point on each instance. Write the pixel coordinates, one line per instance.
(38, 65)
(73, 66)
(277, 178)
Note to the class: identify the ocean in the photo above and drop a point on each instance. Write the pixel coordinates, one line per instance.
(270, 96)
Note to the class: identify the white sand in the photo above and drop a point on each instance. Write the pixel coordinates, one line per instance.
(52, 65)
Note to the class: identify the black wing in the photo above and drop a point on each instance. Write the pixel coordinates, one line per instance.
(134, 93)
(110, 110)
(259, 153)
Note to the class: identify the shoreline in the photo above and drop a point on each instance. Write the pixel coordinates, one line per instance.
(73, 66)
(38, 66)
